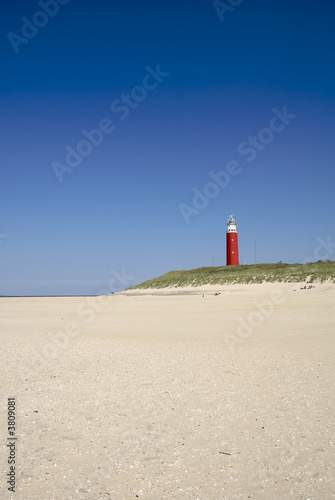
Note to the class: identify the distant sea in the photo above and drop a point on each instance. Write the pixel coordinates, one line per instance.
(40, 296)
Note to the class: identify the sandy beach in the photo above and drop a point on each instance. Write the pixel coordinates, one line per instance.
(171, 394)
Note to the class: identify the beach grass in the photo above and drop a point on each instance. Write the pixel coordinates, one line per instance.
(311, 272)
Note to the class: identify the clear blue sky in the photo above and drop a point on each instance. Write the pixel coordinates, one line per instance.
(119, 211)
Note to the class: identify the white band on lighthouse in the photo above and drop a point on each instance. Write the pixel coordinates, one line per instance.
(231, 225)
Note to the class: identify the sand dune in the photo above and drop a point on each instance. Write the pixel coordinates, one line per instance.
(172, 394)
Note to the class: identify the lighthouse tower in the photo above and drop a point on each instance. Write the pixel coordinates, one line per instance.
(232, 243)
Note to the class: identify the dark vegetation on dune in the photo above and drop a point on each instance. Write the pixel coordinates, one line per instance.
(258, 273)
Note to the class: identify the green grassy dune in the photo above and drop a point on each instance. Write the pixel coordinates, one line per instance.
(258, 273)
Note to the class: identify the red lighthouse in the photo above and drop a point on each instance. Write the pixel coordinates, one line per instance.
(232, 243)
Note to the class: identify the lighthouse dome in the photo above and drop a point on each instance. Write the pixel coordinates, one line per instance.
(231, 220)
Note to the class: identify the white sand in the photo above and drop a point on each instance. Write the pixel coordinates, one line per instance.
(170, 395)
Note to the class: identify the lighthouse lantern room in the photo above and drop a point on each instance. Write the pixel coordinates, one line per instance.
(232, 243)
